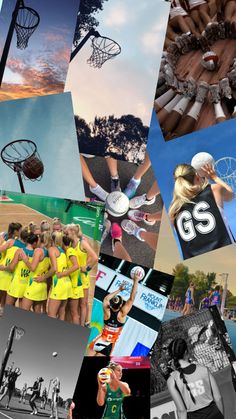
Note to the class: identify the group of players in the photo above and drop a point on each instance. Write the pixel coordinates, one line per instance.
(8, 388)
(212, 298)
(193, 25)
(46, 268)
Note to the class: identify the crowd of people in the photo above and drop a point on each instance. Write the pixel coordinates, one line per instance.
(46, 269)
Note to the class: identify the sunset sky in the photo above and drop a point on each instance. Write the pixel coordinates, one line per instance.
(125, 84)
(41, 68)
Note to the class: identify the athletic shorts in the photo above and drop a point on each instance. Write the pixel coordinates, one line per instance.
(102, 346)
(195, 4)
(209, 412)
(188, 301)
(177, 11)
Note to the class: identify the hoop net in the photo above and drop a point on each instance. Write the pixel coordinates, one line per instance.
(26, 23)
(104, 49)
(19, 332)
(226, 170)
(22, 156)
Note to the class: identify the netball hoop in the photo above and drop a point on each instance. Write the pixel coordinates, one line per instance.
(26, 23)
(23, 158)
(104, 49)
(226, 170)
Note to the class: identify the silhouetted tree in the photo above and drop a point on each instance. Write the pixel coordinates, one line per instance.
(85, 19)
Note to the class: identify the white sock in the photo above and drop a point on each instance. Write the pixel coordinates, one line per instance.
(219, 111)
(195, 110)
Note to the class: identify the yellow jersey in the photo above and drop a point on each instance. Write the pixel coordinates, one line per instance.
(37, 291)
(6, 276)
(20, 277)
(77, 287)
(61, 287)
(82, 257)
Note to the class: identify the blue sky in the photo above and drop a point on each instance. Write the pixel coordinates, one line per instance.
(49, 122)
(125, 84)
(42, 67)
(218, 140)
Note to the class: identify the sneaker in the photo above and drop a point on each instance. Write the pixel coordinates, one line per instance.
(232, 78)
(115, 184)
(214, 93)
(116, 234)
(202, 91)
(132, 187)
(136, 215)
(138, 201)
(221, 30)
(191, 88)
(99, 192)
(132, 229)
(225, 88)
(106, 230)
(204, 44)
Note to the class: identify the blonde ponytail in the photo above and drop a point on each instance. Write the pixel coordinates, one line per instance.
(184, 189)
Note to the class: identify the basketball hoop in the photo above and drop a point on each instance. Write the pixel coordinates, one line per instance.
(226, 170)
(26, 23)
(104, 49)
(19, 332)
(22, 157)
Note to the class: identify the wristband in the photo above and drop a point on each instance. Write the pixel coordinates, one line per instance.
(88, 268)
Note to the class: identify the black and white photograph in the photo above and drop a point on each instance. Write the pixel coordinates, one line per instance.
(41, 360)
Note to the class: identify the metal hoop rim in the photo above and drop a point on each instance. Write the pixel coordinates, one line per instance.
(109, 39)
(14, 142)
(33, 12)
(233, 174)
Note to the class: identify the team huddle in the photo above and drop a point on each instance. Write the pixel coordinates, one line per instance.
(46, 268)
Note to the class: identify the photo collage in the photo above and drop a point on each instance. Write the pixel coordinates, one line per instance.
(117, 215)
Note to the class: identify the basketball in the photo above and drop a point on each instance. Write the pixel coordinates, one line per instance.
(54, 354)
(32, 168)
(138, 270)
(199, 160)
(210, 60)
(104, 375)
(117, 204)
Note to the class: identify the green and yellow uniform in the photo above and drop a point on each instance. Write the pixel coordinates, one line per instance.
(20, 277)
(77, 287)
(37, 291)
(6, 276)
(114, 404)
(61, 287)
(82, 257)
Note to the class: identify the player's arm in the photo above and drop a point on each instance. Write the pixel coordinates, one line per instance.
(35, 261)
(92, 256)
(15, 260)
(192, 293)
(101, 394)
(53, 268)
(6, 245)
(72, 269)
(181, 410)
(108, 298)
(220, 189)
(129, 303)
(216, 393)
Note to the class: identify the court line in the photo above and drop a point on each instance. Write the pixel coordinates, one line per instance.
(9, 417)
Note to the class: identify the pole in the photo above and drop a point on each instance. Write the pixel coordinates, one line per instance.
(9, 39)
(20, 182)
(92, 32)
(7, 353)
(225, 275)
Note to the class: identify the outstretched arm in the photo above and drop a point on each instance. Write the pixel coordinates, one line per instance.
(129, 303)
(107, 299)
(72, 269)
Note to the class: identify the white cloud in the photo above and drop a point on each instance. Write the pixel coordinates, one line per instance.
(152, 40)
(118, 16)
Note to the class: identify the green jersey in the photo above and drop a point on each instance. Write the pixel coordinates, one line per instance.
(114, 408)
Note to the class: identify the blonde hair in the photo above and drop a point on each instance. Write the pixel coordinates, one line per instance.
(57, 238)
(76, 228)
(32, 227)
(184, 189)
(45, 238)
(44, 226)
